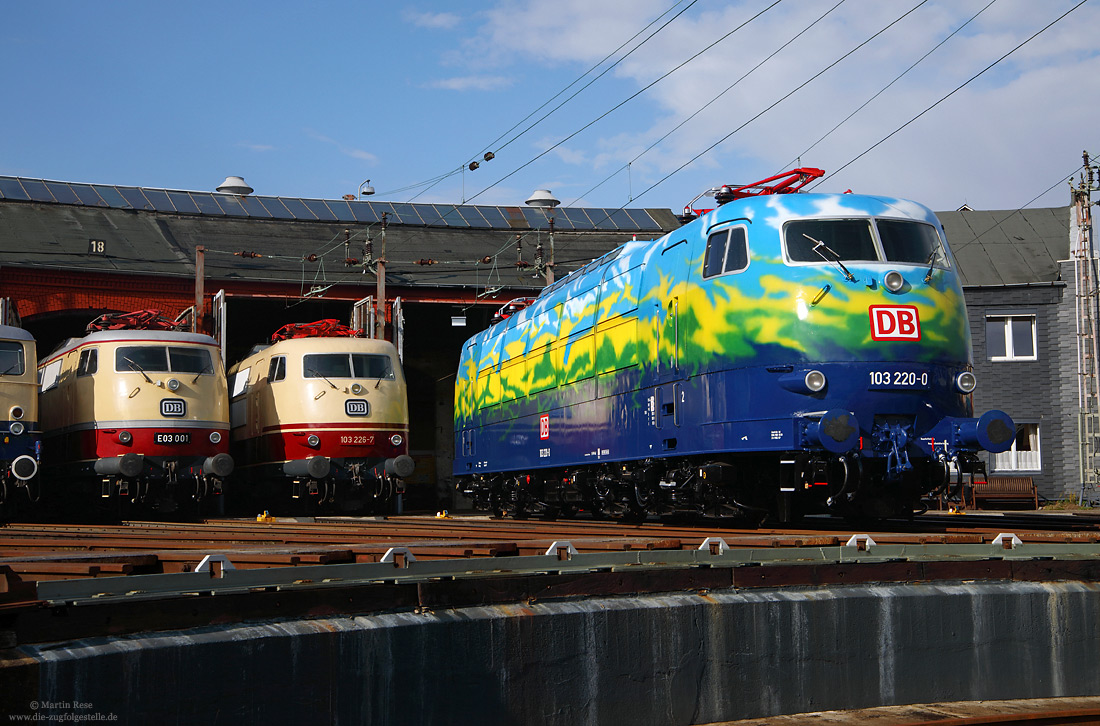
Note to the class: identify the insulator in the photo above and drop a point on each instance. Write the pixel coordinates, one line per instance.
(522, 263)
(310, 258)
(486, 260)
(246, 254)
(489, 156)
(423, 261)
(474, 165)
(350, 262)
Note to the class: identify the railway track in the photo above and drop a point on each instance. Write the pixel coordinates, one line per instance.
(61, 581)
(33, 552)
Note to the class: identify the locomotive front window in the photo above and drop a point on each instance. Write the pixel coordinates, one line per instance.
(141, 358)
(913, 242)
(347, 365)
(190, 360)
(844, 239)
(11, 358)
(162, 359)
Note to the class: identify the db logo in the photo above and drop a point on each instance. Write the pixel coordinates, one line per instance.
(894, 322)
(544, 426)
(356, 407)
(173, 407)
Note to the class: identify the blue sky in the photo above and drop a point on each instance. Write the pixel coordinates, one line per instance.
(312, 99)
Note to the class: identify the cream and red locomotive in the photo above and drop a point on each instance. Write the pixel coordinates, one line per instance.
(320, 418)
(137, 413)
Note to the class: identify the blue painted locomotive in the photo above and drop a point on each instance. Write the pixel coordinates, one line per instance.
(784, 353)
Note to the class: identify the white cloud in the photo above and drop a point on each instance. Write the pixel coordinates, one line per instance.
(441, 21)
(1004, 138)
(354, 153)
(472, 83)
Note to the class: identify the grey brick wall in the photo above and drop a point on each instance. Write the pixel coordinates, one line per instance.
(1042, 391)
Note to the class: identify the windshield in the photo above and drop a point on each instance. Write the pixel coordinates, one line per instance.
(347, 365)
(910, 242)
(11, 358)
(828, 240)
(163, 359)
(848, 239)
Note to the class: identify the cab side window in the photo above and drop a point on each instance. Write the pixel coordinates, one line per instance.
(727, 251)
(276, 370)
(89, 362)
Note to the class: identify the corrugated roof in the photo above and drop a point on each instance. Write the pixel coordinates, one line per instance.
(1008, 247)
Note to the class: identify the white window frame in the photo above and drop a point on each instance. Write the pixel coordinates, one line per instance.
(1013, 460)
(1009, 353)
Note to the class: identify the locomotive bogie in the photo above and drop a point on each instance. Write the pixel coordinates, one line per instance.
(322, 422)
(827, 331)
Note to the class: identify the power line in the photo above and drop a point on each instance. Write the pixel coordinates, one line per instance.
(1013, 213)
(952, 93)
(492, 144)
(710, 102)
(780, 100)
(888, 85)
(627, 100)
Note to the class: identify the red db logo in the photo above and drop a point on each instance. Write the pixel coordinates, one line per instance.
(894, 322)
(544, 426)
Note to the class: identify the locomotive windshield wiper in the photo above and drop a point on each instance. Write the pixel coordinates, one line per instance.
(931, 265)
(315, 372)
(135, 367)
(819, 245)
(204, 369)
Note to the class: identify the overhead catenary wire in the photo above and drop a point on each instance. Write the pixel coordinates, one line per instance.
(950, 94)
(790, 93)
(627, 100)
(710, 102)
(492, 145)
(897, 78)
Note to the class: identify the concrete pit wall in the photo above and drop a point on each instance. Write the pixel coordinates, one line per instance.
(671, 659)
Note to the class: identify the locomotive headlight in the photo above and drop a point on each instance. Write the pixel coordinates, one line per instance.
(173, 384)
(966, 382)
(893, 281)
(815, 381)
(314, 440)
(16, 412)
(397, 439)
(356, 389)
(215, 437)
(17, 428)
(125, 437)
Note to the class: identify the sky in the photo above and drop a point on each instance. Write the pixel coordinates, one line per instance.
(606, 103)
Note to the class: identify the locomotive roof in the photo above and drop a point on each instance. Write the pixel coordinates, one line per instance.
(10, 332)
(319, 345)
(133, 336)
